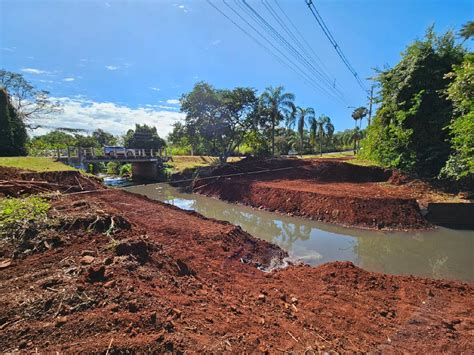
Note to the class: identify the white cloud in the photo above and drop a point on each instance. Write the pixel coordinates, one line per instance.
(154, 89)
(215, 43)
(112, 67)
(33, 71)
(79, 112)
(8, 49)
(172, 101)
(69, 79)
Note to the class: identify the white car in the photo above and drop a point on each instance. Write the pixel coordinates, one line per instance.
(116, 152)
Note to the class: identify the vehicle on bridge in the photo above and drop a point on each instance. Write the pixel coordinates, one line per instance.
(119, 152)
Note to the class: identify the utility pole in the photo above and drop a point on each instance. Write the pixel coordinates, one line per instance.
(371, 99)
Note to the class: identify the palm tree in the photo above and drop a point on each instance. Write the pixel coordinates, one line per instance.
(300, 117)
(358, 114)
(279, 105)
(321, 127)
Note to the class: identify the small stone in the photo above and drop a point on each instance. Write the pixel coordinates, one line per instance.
(5, 263)
(87, 259)
(60, 322)
(108, 261)
(109, 284)
(294, 300)
(88, 253)
(261, 297)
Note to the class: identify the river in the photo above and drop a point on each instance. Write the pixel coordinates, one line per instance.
(439, 253)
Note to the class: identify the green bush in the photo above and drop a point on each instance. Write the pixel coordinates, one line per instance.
(19, 214)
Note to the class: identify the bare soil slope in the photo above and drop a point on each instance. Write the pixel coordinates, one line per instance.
(328, 190)
(123, 273)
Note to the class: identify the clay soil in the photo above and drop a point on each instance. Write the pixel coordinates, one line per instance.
(16, 182)
(117, 272)
(328, 190)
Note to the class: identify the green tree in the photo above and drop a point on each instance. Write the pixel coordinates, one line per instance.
(408, 131)
(323, 129)
(103, 138)
(359, 114)
(13, 135)
(143, 137)
(278, 105)
(467, 30)
(28, 101)
(300, 118)
(460, 92)
(220, 117)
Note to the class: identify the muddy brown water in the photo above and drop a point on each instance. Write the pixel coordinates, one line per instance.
(439, 253)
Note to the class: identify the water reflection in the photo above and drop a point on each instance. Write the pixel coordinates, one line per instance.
(441, 253)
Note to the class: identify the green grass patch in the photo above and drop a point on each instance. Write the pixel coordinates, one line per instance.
(38, 164)
(19, 214)
(185, 162)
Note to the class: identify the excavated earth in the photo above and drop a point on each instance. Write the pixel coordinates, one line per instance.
(116, 272)
(17, 182)
(328, 190)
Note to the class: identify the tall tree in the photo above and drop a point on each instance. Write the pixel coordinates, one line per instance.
(408, 131)
(300, 118)
(279, 105)
(27, 101)
(143, 137)
(460, 165)
(103, 138)
(359, 114)
(324, 127)
(467, 30)
(220, 117)
(13, 135)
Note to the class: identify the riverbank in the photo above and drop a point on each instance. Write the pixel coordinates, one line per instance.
(115, 271)
(329, 190)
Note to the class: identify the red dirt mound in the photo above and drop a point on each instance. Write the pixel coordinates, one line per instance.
(330, 191)
(15, 182)
(170, 280)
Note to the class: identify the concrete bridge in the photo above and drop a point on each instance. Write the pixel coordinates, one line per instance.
(146, 163)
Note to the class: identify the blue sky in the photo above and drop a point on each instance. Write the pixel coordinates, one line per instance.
(116, 63)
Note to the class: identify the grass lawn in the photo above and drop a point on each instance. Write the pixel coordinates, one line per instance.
(183, 162)
(329, 155)
(34, 163)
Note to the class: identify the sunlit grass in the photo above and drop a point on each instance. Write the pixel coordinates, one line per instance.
(39, 164)
(184, 162)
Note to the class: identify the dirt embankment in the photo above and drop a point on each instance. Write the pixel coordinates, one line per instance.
(118, 272)
(325, 190)
(16, 182)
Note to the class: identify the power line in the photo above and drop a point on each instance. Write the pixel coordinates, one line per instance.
(336, 46)
(285, 44)
(281, 22)
(301, 74)
(301, 36)
(292, 66)
(273, 34)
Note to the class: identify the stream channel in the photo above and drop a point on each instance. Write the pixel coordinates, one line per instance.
(438, 253)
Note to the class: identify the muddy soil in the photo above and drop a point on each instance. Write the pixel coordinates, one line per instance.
(328, 190)
(16, 182)
(131, 274)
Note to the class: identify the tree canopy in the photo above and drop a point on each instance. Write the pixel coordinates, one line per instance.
(143, 136)
(221, 117)
(408, 131)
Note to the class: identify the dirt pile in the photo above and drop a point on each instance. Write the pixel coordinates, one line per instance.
(326, 190)
(133, 274)
(15, 182)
